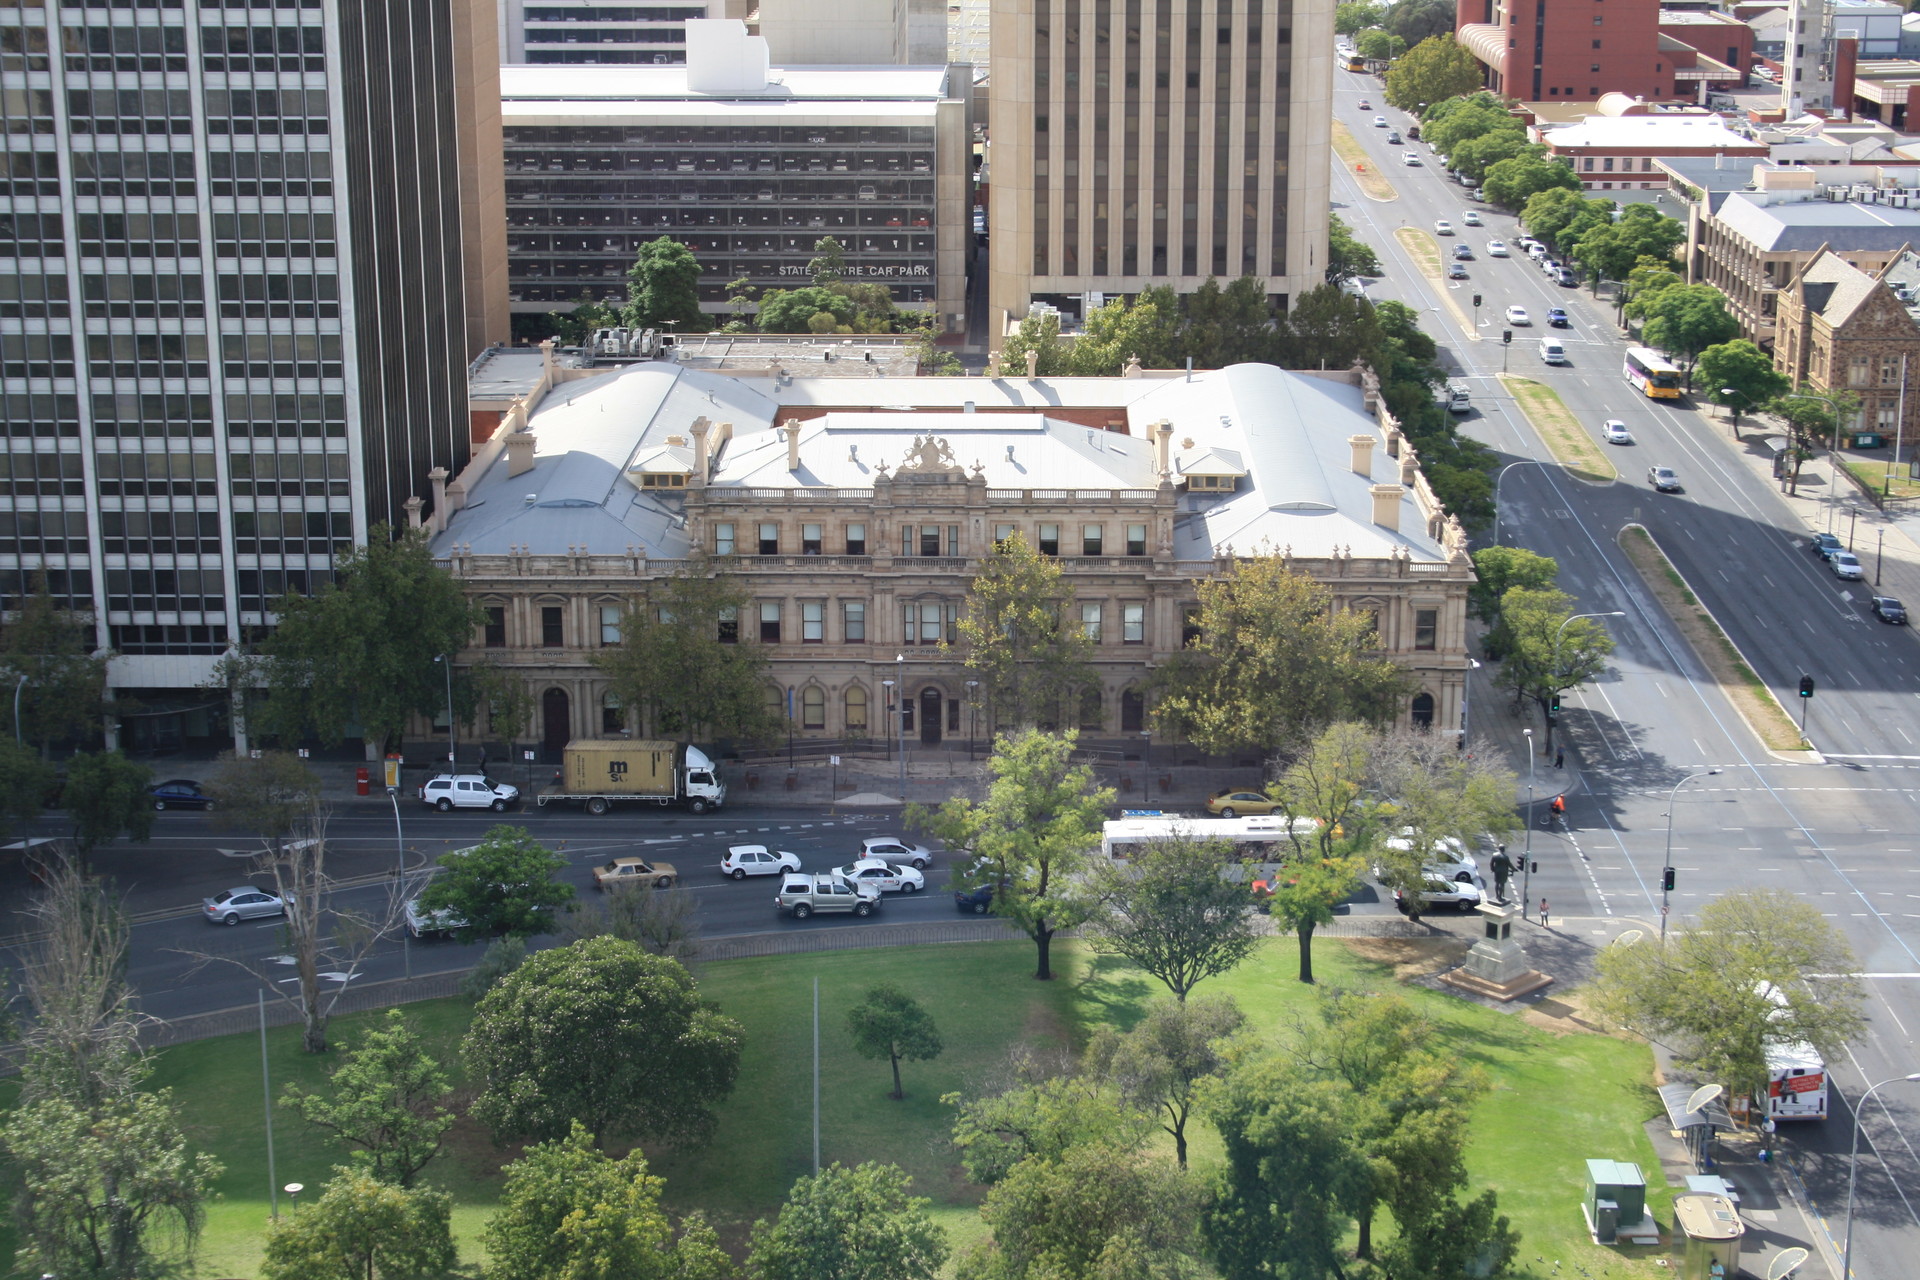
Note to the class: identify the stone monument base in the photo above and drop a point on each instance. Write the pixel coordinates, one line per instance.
(1497, 964)
(1522, 984)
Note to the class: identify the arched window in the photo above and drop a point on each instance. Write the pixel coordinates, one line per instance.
(1422, 711)
(611, 719)
(777, 702)
(1133, 711)
(813, 707)
(1090, 708)
(856, 703)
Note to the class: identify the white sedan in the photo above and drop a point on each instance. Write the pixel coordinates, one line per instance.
(1518, 316)
(1497, 249)
(1410, 159)
(1443, 227)
(882, 875)
(745, 860)
(1616, 432)
(1471, 218)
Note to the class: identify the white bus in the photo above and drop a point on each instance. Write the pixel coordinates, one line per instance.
(1796, 1078)
(1262, 839)
(1652, 374)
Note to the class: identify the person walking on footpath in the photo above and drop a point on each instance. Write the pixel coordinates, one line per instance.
(1559, 757)
(1543, 915)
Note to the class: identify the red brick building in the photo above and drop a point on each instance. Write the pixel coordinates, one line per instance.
(1540, 50)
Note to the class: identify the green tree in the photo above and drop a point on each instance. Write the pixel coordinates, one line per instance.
(1497, 570)
(358, 655)
(1449, 123)
(1030, 837)
(1324, 783)
(1306, 893)
(1039, 1111)
(1090, 1213)
(98, 1186)
(106, 796)
(663, 288)
(1234, 325)
(1745, 370)
(1434, 69)
(1814, 417)
(1159, 1063)
(575, 328)
(601, 1033)
(383, 1101)
(1511, 183)
(25, 781)
(1172, 914)
(567, 1210)
(1274, 663)
(1438, 794)
(1327, 328)
(1417, 20)
(890, 1024)
(1474, 156)
(1117, 332)
(509, 700)
(505, 886)
(685, 666)
(363, 1228)
(1347, 258)
(47, 657)
(1040, 334)
(1022, 637)
(1759, 966)
(271, 796)
(1379, 46)
(1686, 319)
(829, 263)
(1560, 217)
(794, 310)
(1610, 251)
(1355, 16)
(1549, 649)
(850, 1224)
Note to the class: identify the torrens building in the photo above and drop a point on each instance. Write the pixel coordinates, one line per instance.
(856, 510)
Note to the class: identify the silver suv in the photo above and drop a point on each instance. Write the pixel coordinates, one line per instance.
(805, 894)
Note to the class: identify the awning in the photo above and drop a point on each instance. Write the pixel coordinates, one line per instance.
(1674, 1098)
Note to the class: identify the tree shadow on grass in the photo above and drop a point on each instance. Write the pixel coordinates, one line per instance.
(1117, 992)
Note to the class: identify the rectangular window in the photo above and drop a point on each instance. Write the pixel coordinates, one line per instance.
(496, 626)
(953, 715)
(729, 627)
(929, 539)
(1133, 624)
(813, 622)
(856, 539)
(1092, 536)
(723, 539)
(1049, 540)
(611, 721)
(1426, 628)
(1090, 622)
(769, 622)
(1889, 371)
(769, 539)
(809, 539)
(552, 630)
(1136, 539)
(1860, 371)
(1002, 532)
(1606, 164)
(853, 621)
(609, 625)
(1189, 625)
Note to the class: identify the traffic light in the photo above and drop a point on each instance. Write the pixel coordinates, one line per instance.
(1666, 880)
(1476, 299)
(1806, 686)
(1506, 337)
(1553, 706)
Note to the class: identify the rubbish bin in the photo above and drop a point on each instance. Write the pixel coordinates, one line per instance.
(1868, 440)
(362, 781)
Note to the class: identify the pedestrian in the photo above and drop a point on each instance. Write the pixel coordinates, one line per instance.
(1543, 915)
(483, 760)
(1559, 757)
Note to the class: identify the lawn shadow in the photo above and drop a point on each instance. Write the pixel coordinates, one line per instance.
(1118, 993)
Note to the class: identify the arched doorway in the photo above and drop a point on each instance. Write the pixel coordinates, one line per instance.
(1422, 711)
(556, 722)
(931, 701)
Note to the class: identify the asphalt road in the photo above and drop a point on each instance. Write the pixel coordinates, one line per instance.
(1841, 832)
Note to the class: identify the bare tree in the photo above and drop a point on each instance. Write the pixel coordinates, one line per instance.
(326, 939)
(664, 921)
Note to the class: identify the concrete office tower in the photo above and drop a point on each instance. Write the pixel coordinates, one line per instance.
(249, 255)
(643, 32)
(1145, 142)
(1806, 79)
(855, 32)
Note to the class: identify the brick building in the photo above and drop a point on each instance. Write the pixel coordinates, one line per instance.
(1580, 49)
(1613, 152)
(1844, 328)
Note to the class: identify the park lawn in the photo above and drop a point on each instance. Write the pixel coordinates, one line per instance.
(1556, 1099)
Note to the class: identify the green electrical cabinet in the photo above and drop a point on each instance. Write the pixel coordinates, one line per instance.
(1616, 1195)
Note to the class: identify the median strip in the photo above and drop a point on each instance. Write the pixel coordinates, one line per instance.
(1571, 444)
(1373, 184)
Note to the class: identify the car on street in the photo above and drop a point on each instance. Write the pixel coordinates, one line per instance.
(1463, 253)
(1664, 479)
(243, 902)
(1479, 193)
(1448, 859)
(1615, 432)
(1825, 544)
(1236, 804)
(1497, 249)
(438, 923)
(1456, 271)
(467, 791)
(1846, 565)
(1887, 609)
(1393, 137)
(1365, 105)
(1379, 122)
(882, 875)
(179, 793)
(745, 860)
(1557, 318)
(802, 895)
(1441, 892)
(1441, 227)
(612, 875)
(975, 901)
(893, 849)
(1471, 217)
(1410, 159)
(1518, 315)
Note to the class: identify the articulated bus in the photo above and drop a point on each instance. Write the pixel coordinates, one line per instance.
(1652, 374)
(1261, 839)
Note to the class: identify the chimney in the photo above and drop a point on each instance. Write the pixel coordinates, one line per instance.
(700, 429)
(1162, 438)
(519, 453)
(413, 506)
(792, 429)
(1386, 505)
(438, 478)
(1362, 447)
(1033, 364)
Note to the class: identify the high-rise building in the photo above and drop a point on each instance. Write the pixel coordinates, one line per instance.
(653, 32)
(1578, 49)
(642, 32)
(1150, 142)
(247, 253)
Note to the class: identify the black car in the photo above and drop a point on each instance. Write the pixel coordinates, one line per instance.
(1824, 545)
(1887, 609)
(975, 901)
(179, 793)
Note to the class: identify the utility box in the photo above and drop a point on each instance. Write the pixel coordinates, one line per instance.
(1621, 1183)
(1711, 1228)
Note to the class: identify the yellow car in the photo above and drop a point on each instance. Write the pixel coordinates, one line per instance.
(1238, 804)
(635, 871)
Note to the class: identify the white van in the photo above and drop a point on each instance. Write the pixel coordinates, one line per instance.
(1552, 351)
(1457, 398)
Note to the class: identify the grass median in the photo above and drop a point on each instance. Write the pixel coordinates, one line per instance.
(1566, 438)
(1423, 248)
(1373, 183)
(1747, 692)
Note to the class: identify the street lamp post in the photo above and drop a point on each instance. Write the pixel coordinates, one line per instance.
(1526, 850)
(1833, 454)
(888, 686)
(973, 707)
(899, 667)
(1853, 1166)
(1466, 701)
(18, 685)
(1735, 391)
(1560, 631)
(452, 750)
(1524, 462)
(1666, 866)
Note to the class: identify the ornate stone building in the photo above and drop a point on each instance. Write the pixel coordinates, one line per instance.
(1845, 329)
(857, 509)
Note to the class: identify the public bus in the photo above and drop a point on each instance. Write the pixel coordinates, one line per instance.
(1652, 374)
(1354, 62)
(1262, 839)
(1796, 1077)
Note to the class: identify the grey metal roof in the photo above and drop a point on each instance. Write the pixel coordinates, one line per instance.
(1807, 224)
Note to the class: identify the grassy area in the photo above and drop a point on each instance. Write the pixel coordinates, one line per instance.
(1373, 183)
(1872, 472)
(1566, 437)
(1558, 1096)
(1425, 251)
(1749, 694)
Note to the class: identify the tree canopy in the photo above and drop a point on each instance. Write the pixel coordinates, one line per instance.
(1511, 183)
(363, 1228)
(106, 797)
(1547, 648)
(850, 1224)
(1376, 45)
(1435, 794)
(1434, 69)
(1744, 370)
(1173, 914)
(888, 1023)
(506, 886)
(1354, 16)
(1347, 258)
(1023, 637)
(1686, 319)
(47, 655)
(663, 287)
(1159, 1063)
(383, 1102)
